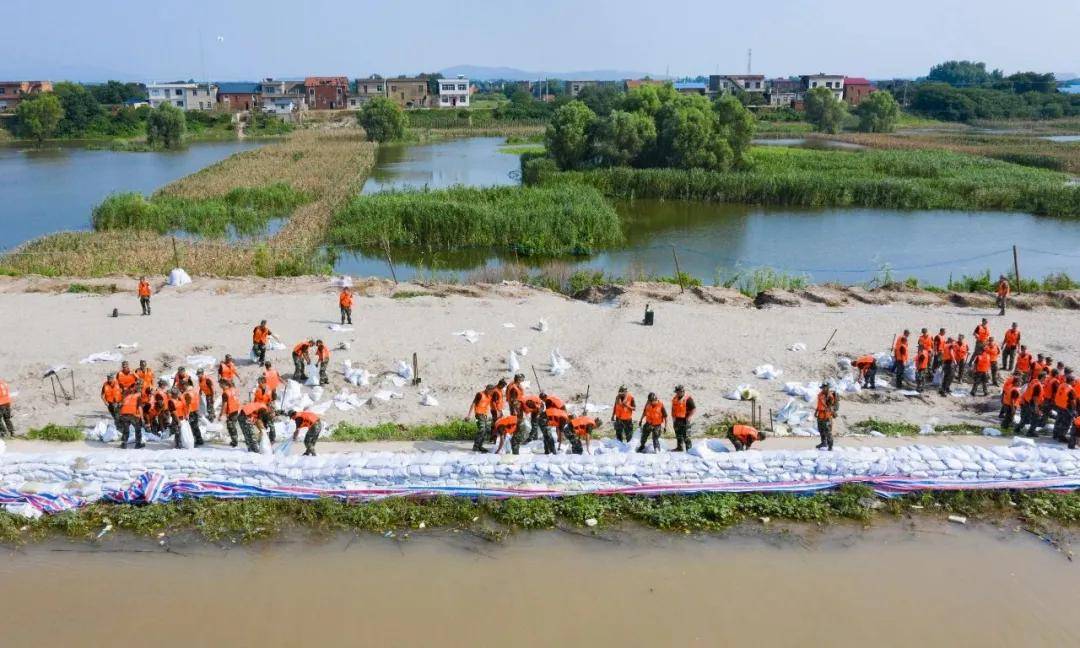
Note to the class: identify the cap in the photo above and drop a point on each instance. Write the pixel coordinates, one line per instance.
(622, 388)
(679, 388)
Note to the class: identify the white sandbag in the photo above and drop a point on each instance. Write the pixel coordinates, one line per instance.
(265, 448)
(736, 394)
(512, 364)
(806, 391)
(395, 380)
(200, 361)
(275, 345)
(317, 393)
(122, 346)
(321, 408)
(541, 326)
(767, 372)
(24, 510)
(991, 432)
(385, 395)
(428, 400)
(523, 351)
(292, 395)
(177, 278)
(312, 371)
(341, 328)
(104, 356)
(346, 401)
(508, 325)
(187, 439)
(403, 369)
(356, 375)
(104, 431)
(798, 346)
(559, 364)
(470, 335)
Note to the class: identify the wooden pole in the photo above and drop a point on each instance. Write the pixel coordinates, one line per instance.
(1016, 268)
(415, 369)
(771, 420)
(538, 387)
(830, 339)
(176, 253)
(678, 273)
(585, 410)
(389, 261)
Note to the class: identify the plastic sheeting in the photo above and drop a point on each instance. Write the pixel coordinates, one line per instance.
(768, 372)
(470, 335)
(559, 364)
(177, 278)
(104, 356)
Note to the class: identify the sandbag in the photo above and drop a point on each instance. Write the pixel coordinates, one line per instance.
(177, 278)
(187, 439)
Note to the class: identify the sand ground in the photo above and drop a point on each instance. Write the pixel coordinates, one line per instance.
(708, 346)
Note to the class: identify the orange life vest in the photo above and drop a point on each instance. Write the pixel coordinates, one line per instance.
(922, 360)
(939, 343)
(227, 371)
(556, 417)
(232, 403)
(130, 405)
(583, 425)
(900, 350)
(514, 392)
(111, 392)
(654, 412)
(554, 402)
(1033, 392)
(1011, 337)
(144, 289)
(262, 395)
(5, 393)
(982, 362)
(531, 404)
(959, 352)
(127, 380)
(994, 350)
(744, 433)
(305, 419)
(253, 410)
(926, 342)
(260, 335)
(1003, 288)
(497, 400)
(206, 385)
(179, 407)
(301, 349)
(1006, 391)
(322, 353)
(679, 406)
(624, 409)
(1023, 362)
(507, 425)
(145, 375)
(823, 411)
(982, 333)
(182, 382)
(345, 299)
(1061, 395)
(482, 403)
(273, 379)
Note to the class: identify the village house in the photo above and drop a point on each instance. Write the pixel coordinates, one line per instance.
(326, 93)
(691, 87)
(784, 92)
(409, 92)
(721, 83)
(630, 84)
(834, 82)
(454, 93)
(367, 89)
(235, 97)
(574, 88)
(282, 97)
(12, 92)
(856, 89)
(183, 95)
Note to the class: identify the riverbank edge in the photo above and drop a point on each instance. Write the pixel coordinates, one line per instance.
(1046, 514)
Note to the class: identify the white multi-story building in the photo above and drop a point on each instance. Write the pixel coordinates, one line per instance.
(834, 82)
(454, 93)
(185, 96)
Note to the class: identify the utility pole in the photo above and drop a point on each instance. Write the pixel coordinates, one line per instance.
(749, 59)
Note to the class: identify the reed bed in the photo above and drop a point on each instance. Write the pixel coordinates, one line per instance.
(527, 220)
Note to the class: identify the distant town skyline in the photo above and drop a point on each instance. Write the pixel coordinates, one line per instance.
(251, 39)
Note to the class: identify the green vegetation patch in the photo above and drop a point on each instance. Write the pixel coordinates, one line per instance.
(527, 220)
(888, 428)
(52, 432)
(455, 430)
(245, 211)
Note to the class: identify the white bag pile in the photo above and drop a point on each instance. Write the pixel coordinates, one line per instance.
(357, 376)
(177, 278)
(768, 372)
(512, 364)
(104, 356)
(559, 364)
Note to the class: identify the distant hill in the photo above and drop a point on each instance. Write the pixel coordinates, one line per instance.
(484, 73)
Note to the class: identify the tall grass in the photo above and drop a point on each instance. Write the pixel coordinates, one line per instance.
(527, 220)
(872, 178)
(759, 280)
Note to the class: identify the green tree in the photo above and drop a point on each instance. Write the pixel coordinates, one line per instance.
(942, 101)
(824, 110)
(1022, 82)
(39, 116)
(687, 137)
(601, 99)
(648, 99)
(878, 113)
(383, 120)
(963, 73)
(622, 138)
(115, 92)
(165, 126)
(80, 108)
(566, 137)
(736, 125)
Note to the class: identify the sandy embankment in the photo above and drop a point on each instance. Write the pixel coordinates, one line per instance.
(698, 341)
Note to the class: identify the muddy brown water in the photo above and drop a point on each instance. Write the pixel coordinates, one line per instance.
(930, 585)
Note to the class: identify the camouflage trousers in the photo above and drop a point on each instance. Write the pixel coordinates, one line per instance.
(483, 430)
(310, 437)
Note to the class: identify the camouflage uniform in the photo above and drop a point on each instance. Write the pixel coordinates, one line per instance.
(230, 425)
(649, 429)
(248, 428)
(624, 429)
(310, 437)
(483, 431)
(126, 423)
(682, 429)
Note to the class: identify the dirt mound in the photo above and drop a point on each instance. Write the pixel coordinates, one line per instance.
(600, 294)
(824, 295)
(776, 297)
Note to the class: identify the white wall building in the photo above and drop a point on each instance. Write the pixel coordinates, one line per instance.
(454, 93)
(834, 82)
(185, 96)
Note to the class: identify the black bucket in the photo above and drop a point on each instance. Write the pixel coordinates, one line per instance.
(648, 316)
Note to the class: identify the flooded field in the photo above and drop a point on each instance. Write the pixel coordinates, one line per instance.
(926, 584)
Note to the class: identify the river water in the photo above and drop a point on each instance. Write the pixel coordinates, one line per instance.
(926, 585)
(711, 241)
(55, 188)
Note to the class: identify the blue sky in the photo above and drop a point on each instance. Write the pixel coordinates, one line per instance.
(160, 39)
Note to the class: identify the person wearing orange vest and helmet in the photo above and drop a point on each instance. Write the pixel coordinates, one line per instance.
(1064, 402)
(982, 372)
(143, 374)
(653, 422)
(262, 393)
(127, 378)
(510, 426)
(1010, 399)
(311, 422)
(322, 358)
(925, 342)
(1075, 433)
(866, 365)
(515, 391)
(682, 413)
(256, 416)
(182, 380)
(206, 391)
(532, 409)
(260, 338)
(159, 412)
(557, 418)
(1029, 406)
(622, 415)
(939, 348)
(900, 357)
(923, 374)
(180, 407)
(1009, 343)
(581, 428)
(273, 378)
(112, 395)
(345, 302)
(744, 436)
(144, 295)
(994, 351)
(131, 417)
(982, 336)
(301, 358)
(480, 408)
(5, 410)
(1003, 290)
(825, 412)
(960, 349)
(498, 402)
(230, 410)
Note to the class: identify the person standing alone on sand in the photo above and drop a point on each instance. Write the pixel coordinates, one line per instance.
(825, 412)
(144, 295)
(345, 301)
(1003, 290)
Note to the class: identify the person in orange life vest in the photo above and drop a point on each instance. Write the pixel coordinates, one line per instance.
(960, 350)
(177, 407)
(159, 410)
(1029, 406)
(923, 374)
(982, 372)
(682, 413)
(480, 408)
(5, 410)
(273, 378)
(939, 348)
(262, 393)
(260, 338)
(1010, 399)
(206, 391)
(227, 369)
(144, 295)
(1064, 402)
(345, 302)
(900, 357)
(1009, 343)
(182, 380)
(994, 350)
(744, 436)
(866, 365)
(230, 410)
(622, 415)
(310, 421)
(131, 417)
(1075, 433)
(511, 426)
(557, 418)
(256, 416)
(825, 412)
(981, 335)
(322, 358)
(498, 403)
(554, 402)
(653, 422)
(1037, 367)
(144, 374)
(146, 405)
(515, 391)
(1003, 290)
(126, 378)
(301, 358)
(1024, 362)
(925, 342)
(532, 411)
(582, 428)
(112, 395)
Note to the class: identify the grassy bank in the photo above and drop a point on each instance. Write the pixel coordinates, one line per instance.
(455, 430)
(529, 220)
(246, 520)
(873, 178)
(325, 166)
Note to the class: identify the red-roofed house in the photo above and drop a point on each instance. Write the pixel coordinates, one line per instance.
(327, 93)
(12, 92)
(856, 89)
